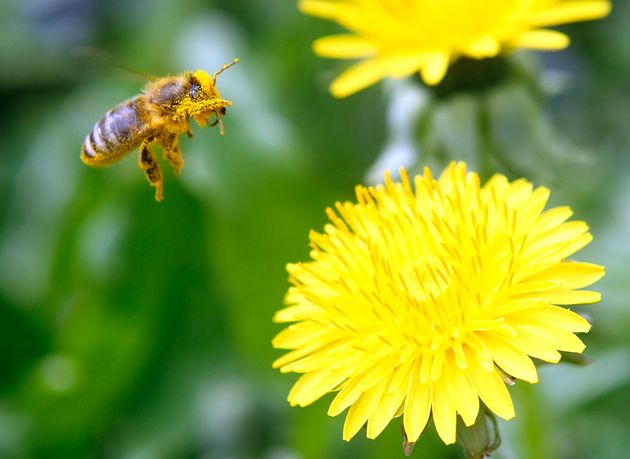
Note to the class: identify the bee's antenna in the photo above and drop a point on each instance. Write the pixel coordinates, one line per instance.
(222, 69)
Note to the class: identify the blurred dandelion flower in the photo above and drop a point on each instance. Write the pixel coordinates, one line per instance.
(421, 302)
(399, 37)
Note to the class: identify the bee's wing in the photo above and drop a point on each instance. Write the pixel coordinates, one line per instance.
(90, 54)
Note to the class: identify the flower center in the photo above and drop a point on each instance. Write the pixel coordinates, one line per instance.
(424, 278)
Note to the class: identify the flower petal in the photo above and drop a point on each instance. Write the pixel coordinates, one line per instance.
(534, 347)
(312, 386)
(360, 383)
(444, 414)
(417, 405)
(571, 11)
(343, 47)
(390, 403)
(362, 409)
(571, 274)
(484, 47)
(462, 393)
(367, 73)
(298, 335)
(561, 340)
(492, 391)
(514, 362)
(560, 317)
(549, 40)
(560, 297)
(344, 13)
(357, 77)
(434, 67)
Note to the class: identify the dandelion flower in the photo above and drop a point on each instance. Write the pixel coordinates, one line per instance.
(420, 299)
(396, 38)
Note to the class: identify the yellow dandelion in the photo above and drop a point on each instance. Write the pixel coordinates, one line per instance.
(397, 38)
(419, 300)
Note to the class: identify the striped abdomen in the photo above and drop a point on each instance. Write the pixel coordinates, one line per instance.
(122, 128)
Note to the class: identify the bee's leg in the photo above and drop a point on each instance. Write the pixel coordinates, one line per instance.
(220, 123)
(148, 163)
(172, 153)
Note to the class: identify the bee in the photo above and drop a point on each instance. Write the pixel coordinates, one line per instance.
(159, 115)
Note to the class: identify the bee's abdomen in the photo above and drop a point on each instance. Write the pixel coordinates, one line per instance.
(118, 132)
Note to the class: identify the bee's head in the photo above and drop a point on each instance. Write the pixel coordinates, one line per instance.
(202, 85)
(206, 84)
(205, 99)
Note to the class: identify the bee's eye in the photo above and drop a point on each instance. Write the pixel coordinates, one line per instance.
(194, 90)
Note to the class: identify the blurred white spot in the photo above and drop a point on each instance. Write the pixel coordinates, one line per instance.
(407, 101)
(98, 239)
(282, 453)
(222, 407)
(556, 82)
(59, 24)
(43, 186)
(606, 373)
(13, 432)
(59, 373)
(212, 40)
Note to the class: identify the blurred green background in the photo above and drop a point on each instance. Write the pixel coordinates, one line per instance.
(132, 329)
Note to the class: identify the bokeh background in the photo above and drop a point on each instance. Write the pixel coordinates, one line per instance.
(131, 329)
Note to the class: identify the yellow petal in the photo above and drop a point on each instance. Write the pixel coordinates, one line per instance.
(367, 73)
(478, 352)
(541, 39)
(560, 317)
(434, 67)
(312, 386)
(568, 297)
(323, 9)
(572, 275)
(483, 47)
(333, 359)
(514, 362)
(573, 246)
(298, 335)
(561, 340)
(551, 218)
(532, 289)
(544, 256)
(343, 47)
(390, 404)
(402, 66)
(492, 391)
(357, 77)
(297, 312)
(534, 347)
(535, 204)
(444, 414)
(362, 409)
(559, 235)
(360, 383)
(572, 11)
(345, 14)
(417, 405)
(295, 355)
(462, 393)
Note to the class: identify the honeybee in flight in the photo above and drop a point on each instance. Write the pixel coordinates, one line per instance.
(159, 115)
